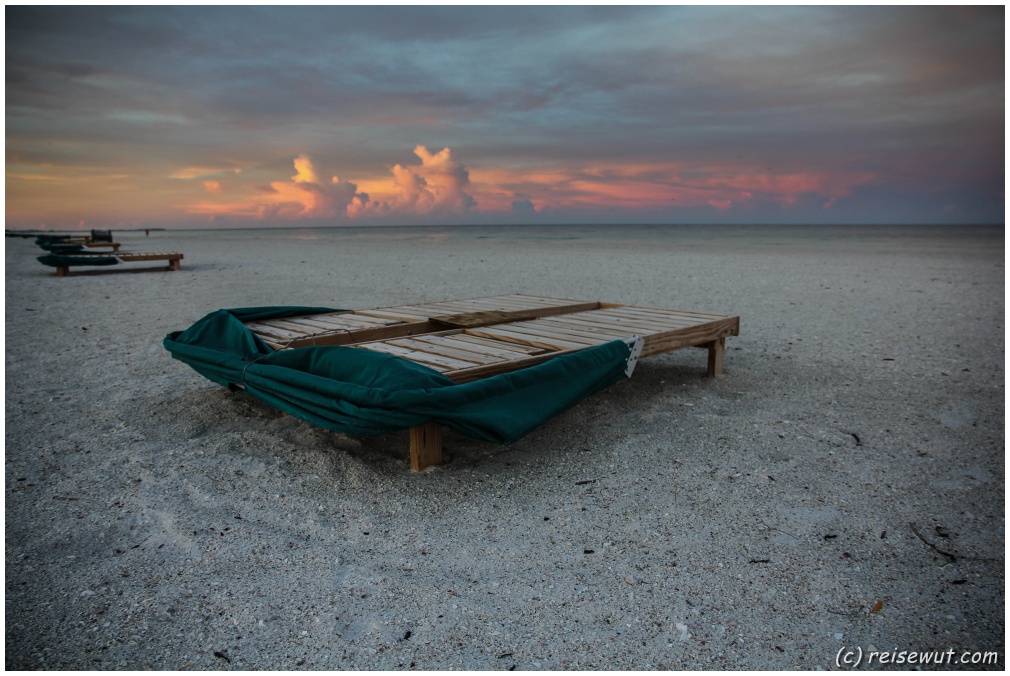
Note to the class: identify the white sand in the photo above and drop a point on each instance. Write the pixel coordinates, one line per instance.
(157, 520)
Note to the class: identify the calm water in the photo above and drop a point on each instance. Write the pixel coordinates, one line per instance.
(858, 237)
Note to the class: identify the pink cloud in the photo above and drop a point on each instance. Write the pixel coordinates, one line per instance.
(438, 186)
(660, 185)
(305, 195)
(309, 196)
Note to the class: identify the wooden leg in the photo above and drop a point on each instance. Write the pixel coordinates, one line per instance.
(174, 264)
(425, 446)
(716, 356)
(62, 271)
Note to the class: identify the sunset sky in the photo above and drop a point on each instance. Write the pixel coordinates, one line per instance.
(270, 116)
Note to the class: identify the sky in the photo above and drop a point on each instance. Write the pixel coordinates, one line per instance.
(189, 117)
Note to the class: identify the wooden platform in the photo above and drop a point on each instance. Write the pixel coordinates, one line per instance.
(174, 260)
(468, 340)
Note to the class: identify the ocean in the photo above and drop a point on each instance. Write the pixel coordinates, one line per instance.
(726, 237)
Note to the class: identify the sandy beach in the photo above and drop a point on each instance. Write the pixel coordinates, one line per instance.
(839, 489)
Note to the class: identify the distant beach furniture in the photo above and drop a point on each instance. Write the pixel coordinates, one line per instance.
(63, 261)
(71, 243)
(490, 368)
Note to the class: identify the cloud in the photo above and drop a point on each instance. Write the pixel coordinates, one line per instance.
(309, 196)
(668, 187)
(201, 172)
(305, 173)
(304, 196)
(437, 187)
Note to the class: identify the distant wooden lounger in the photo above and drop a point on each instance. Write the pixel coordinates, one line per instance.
(467, 340)
(63, 263)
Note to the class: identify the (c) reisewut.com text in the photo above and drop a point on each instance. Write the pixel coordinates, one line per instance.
(856, 657)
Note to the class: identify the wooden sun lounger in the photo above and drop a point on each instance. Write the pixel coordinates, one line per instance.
(467, 340)
(174, 260)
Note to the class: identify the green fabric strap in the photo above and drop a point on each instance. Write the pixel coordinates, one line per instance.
(365, 393)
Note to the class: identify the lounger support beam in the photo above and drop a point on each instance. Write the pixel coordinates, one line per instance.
(716, 356)
(425, 446)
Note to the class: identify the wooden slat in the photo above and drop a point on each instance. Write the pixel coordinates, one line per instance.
(449, 342)
(283, 335)
(472, 305)
(478, 372)
(443, 350)
(553, 343)
(372, 321)
(512, 347)
(318, 328)
(678, 314)
(495, 303)
(349, 319)
(152, 256)
(480, 318)
(309, 328)
(298, 329)
(467, 308)
(366, 335)
(538, 330)
(435, 361)
(655, 320)
(393, 313)
(606, 324)
(612, 325)
(309, 323)
(580, 329)
(632, 315)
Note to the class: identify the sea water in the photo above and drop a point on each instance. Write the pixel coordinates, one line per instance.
(842, 238)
